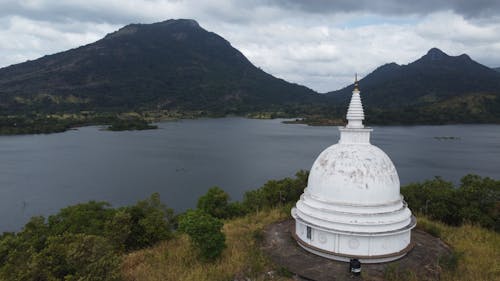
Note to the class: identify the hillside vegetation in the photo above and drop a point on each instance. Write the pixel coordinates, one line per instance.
(146, 241)
(473, 203)
(174, 65)
(434, 77)
(477, 251)
(173, 259)
(169, 69)
(435, 89)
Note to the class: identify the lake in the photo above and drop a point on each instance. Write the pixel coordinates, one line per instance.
(39, 174)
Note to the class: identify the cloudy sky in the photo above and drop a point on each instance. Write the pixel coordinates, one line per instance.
(320, 44)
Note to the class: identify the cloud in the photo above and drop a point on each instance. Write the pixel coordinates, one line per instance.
(23, 39)
(320, 44)
(469, 9)
(322, 54)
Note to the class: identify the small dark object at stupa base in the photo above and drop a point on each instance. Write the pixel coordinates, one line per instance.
(283, 250)
(355, 267)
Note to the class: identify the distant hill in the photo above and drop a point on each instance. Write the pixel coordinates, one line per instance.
(497, 69)
(434, 77)
(176, 64)
(435, 88)
(170, 64)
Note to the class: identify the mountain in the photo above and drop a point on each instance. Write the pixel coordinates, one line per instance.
(497, 69)
(433, 78)
(171, 64)
(435, 89)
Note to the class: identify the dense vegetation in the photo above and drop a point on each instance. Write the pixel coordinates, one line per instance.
(56, 123)
(86, 241)
(130, 124)
(83, 242)
(465, 109)
(475, 200)
(216, 203)
(18, 125)
(205, 233)
(89, 241)
(468, 109)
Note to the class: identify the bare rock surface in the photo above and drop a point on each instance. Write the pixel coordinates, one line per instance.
(421, 261)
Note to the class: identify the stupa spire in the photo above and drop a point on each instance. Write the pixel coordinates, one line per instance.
(356, 86)
(355, 113)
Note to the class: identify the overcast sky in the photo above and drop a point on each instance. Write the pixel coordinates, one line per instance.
(320, 44)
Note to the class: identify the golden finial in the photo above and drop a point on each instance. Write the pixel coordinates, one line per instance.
(356, 88)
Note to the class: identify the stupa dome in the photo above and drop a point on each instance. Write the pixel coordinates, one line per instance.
(354, 174)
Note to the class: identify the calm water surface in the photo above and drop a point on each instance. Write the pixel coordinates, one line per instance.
(39, 174)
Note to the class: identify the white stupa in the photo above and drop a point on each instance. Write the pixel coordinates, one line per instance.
(351, 207)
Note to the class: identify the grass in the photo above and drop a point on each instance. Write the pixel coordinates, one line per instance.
(394, 273)
(176, 260)
(476, 253)
(475, 258)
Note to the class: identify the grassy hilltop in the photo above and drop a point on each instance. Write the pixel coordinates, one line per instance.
(477, 250)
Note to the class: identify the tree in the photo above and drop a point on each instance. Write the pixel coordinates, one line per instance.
(35, 233)
(215, 203)
(79, 257)
(15, 258)
(151, 221)
(276, 192)
(481, 200)
(82, 242)
(476, 200)
(118, 229)
(88, 218)
(254, 200)
(434, 198)
(205, 233)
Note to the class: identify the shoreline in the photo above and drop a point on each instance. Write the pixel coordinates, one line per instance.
(50, 124)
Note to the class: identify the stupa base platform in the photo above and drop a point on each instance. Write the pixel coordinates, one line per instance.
(284, 250)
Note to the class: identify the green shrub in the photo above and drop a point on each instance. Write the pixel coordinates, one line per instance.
(118, 229)
(276, 192)
(475, 200)
(79, 257)
(151, 221)
(215, 203)
(205, 233)
(83, 241)
(88, 218)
